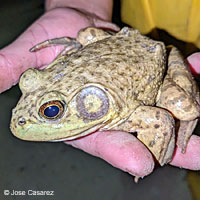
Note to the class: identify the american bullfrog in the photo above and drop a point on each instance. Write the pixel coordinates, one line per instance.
(110, 81)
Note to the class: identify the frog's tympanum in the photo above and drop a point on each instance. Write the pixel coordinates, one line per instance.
(106, 81)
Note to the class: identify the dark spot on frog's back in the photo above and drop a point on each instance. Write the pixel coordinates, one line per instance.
(151, 144)
(93, 33)
(33, 93)
(76, 56)
(15, 125)
(187, 108)
(180, 98)
(165, 133)
(110, 49)
(80, 70)
(33, 105)
(156, 125)
(100, 74)
(117, 61)
(25, 97)
(125, 60)
(14, 120)
(34, 117)
(157, 115)
(30, 113)
(60, 85)
(68, 76)
(50, 69)
(176, 62)
(150, 79)
(166, 87)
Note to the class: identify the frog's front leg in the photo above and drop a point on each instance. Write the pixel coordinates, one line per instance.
(69, 43)
(155, 128)
(84, 37)
(180, 95)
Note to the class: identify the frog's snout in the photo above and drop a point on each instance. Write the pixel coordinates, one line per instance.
(17, 123)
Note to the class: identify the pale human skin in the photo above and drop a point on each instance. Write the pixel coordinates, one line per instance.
(120, 149)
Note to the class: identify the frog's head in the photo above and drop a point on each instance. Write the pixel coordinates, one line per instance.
(44, 114)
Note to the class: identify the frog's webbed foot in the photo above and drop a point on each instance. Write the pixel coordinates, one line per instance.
(180, 95)
(155, 128)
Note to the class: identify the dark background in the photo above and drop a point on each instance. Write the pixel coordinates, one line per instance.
(70, 173)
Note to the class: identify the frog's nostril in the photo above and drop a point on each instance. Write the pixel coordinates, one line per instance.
(21, 121)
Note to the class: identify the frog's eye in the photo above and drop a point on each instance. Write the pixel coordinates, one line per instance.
(52, 110)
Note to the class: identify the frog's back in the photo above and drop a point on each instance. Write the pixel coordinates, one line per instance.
(129, 64)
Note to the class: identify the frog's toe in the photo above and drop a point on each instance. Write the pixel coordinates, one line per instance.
(185, 130)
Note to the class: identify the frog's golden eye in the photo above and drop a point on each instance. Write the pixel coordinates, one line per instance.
(92, 103)
(52, 110)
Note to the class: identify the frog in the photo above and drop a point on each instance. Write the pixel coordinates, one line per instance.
(104, 80)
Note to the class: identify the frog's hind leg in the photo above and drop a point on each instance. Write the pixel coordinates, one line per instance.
(180, 95)
(155, 128)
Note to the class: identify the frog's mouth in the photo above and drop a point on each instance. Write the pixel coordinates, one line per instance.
(78, 134)
(54, 133)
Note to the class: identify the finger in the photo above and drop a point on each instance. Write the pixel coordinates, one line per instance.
(191, 158)
(120, 149)
(105, 25)
(194, 62)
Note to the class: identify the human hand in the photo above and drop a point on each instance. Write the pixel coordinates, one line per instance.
(120, 149)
